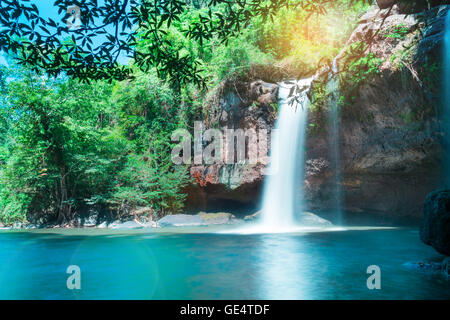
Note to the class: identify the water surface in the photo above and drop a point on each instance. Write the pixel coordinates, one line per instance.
(204, 265)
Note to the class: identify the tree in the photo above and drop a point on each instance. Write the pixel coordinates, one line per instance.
(59, 46)
(67, 147)
(57, 157)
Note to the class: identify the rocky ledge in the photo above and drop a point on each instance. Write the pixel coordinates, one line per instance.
(175, 220)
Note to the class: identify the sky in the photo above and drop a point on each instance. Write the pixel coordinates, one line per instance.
(48, 10)
(3, 60)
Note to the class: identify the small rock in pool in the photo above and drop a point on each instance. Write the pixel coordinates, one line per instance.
(311, 220)
(18, 225)
(424, 266)
(102, 225)
(181, 220)
(218, 218)
(126, 225)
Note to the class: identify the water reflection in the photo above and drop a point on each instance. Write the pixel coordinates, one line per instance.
(314, 265)
(281, 275)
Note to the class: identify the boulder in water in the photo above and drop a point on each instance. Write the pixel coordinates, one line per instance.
(103, 225)
(435, 225)
(311, 220)
(253, 216)
(425, 266)
(218, 218)
(89, 221)
(18, 225)
(181, 220)
(149, 224)
(125, 225)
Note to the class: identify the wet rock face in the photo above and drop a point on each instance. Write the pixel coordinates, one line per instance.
(390, 137)
(435, 226)
(234, 187)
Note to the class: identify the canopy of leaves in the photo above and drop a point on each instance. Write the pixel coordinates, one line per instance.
(91, 49)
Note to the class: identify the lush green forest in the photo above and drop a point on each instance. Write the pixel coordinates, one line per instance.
(67, 146)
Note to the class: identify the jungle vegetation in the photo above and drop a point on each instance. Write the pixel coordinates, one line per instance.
(87, 111)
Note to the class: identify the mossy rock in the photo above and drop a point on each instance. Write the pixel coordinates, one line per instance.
(217, 218)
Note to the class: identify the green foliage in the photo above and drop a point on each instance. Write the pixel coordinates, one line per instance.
(149, 114)
(397, 32)
(359, 66)
(148, 182)
(67, 146)
(60, 152)
(431, 73)
(108, 32)
(307, 40)
(218, 61)
(236, 58)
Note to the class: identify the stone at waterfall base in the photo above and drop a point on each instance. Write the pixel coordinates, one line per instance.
(309, 219)
(253, 216)
(200, 219)
(129, 225)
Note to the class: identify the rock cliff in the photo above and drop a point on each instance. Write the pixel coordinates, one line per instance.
(234, 187)
(390, 135)
(389, 138)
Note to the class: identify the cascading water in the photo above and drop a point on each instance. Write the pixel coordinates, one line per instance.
(446, 99)
(286, 171)
(333, 87)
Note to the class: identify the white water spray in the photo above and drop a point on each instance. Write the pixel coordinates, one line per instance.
(333, 87)
(283, 185)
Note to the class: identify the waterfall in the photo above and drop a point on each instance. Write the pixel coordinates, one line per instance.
(446, 99)
(285, 177)
(333, 137)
